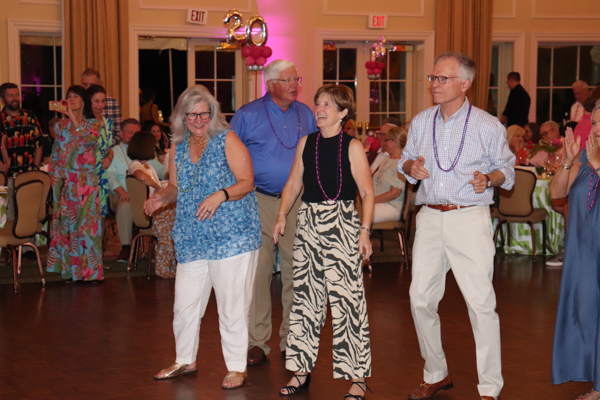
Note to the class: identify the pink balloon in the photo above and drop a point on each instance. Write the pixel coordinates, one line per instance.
(261, 61)
(370, 65)
(376, 71)
(245, 51)
(250, 60)
(267, 52)
(380, 65)
(370, 72)
(255, 52)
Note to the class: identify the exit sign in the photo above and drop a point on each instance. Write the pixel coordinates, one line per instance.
(197, 16)
(377, 21)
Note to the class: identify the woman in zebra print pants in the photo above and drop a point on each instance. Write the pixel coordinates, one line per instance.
(330, 240)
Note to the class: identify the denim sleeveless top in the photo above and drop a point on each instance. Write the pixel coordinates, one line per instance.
(234, 228)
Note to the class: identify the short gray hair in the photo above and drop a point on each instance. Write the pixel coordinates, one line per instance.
(191, 97)
(465, 64)
(581, 84)
(553, 125)
(274, 69)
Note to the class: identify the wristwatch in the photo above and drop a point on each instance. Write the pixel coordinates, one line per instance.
(489, 181)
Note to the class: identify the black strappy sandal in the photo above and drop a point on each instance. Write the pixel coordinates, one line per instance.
(357, 396)
(291, 390)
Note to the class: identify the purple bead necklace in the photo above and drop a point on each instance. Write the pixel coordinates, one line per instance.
(590, 206)
(339, 163)
(462, 142)
(275, 132)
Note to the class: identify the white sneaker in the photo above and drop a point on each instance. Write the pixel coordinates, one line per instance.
(556, 261)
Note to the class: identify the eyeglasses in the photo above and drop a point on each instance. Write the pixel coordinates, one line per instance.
(287, 81)
(192, 116)
(441, 79)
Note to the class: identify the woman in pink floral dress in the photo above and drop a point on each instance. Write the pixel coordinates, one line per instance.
(75, 246)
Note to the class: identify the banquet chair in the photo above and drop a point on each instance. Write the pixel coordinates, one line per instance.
(45, 212)
(516, 205)
(399, 226)
(28, 197)
(138, 193)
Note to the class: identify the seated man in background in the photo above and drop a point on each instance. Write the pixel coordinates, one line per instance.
(119, 198)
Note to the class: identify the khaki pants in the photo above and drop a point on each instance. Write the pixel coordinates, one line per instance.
(260, 326)
(124, 218)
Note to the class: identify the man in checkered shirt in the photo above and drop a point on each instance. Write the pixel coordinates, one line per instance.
(113, 110)
(459, 153)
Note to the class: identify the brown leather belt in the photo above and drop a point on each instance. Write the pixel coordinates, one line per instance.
(446, 207)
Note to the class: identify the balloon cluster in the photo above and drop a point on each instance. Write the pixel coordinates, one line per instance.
(376, 65)
(256, 56)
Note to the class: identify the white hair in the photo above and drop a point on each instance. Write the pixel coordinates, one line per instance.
(581, 84)
(274, 69)
(466, 65)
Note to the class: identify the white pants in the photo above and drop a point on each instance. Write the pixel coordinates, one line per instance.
(460, 240)
(384, 212)
(233, 281)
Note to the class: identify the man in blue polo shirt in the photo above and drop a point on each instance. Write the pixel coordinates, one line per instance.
(271, 128)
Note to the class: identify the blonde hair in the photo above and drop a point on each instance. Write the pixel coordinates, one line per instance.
(511, 131)
(398, 134)
(191, 97)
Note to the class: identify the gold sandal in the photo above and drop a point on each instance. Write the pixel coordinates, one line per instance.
(232, 375)
(175, 370)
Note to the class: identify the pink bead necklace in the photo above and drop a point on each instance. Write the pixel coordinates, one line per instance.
(329, 200)
(590, 206)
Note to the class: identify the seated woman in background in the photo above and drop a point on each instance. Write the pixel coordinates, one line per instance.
(350, 128)
(532, 134)
(388, 183)
(515, 137)
(140, 150)
(162, 144)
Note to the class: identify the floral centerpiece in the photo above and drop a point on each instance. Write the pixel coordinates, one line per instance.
(547, 145)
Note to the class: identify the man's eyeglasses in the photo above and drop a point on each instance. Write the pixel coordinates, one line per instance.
(287, 81)
(441, 79)
(191, 117)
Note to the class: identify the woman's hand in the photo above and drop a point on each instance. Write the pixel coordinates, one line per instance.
(208, 207)
(593, 151)
(364, 245)
(279, 227)
(108, 159)
(154, 202)
(572, 146)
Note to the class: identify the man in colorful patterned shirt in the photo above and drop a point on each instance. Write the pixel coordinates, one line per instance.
(21, 134)
(112, 110)
(459, 153)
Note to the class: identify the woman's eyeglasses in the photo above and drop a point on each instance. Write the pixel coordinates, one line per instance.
(191, 117)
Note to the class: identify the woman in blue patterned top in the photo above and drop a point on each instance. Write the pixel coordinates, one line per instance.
(216, 232)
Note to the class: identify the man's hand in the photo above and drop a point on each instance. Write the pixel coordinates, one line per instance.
(123, 195)
(479, 183)
(417, 170)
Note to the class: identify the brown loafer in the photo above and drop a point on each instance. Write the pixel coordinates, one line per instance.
(256, 355)
(175, 370)
(490, 398)
(235, 377)
(426, 390)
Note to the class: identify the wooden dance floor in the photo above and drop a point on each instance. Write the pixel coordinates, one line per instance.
(107, 340)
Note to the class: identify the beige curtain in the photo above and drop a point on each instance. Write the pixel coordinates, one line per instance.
(96, 35)
(466, 26)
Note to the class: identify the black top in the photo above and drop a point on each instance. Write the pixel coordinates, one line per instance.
(328, 169)
(517, 107)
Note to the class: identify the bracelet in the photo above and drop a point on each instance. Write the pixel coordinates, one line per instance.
(226, 194)
(565, 166)
(279, 215)
(366, 229)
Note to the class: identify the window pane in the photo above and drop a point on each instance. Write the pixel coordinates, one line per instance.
(205, 64)
(58, 55)
(589, 70)
(376, 120)
(562, 100)
(226, 96)
(378, 97)
(347, 65)
(37, 64)
(543, 73)
(492, 106)
(564, 66)
(397, 64)
(36, 100)
(329, 64)
(352, 86)
(543, 106)
(225, 65)
(210, 85)
(397, 96)
(494, 71)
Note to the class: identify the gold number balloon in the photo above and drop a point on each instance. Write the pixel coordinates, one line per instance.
(234, 18)
(264, 32)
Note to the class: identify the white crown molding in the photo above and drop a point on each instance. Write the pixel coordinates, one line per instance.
(15, 28)
(513, 14)
(551, 37)
(534, 14)
(419, 14)
(135, 31)
(427, 37)
(141, 6)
